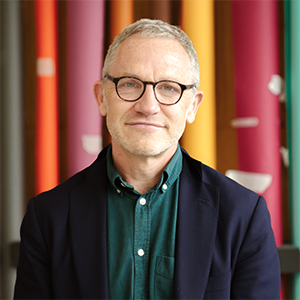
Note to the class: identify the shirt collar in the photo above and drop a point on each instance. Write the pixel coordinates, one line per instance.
(169, 175)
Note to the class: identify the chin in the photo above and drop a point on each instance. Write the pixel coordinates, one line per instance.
(147, 145)
(146, 152)
(146, 148)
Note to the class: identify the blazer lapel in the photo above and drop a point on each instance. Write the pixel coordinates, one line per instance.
(198, 210)
(88, 232)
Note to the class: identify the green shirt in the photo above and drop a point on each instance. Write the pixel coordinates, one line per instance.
(141, 235)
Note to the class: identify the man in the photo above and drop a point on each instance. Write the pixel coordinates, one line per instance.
(145, 220)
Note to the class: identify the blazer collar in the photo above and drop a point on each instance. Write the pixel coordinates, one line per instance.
(198, 210)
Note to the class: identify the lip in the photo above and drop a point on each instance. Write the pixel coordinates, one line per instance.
(145, 124)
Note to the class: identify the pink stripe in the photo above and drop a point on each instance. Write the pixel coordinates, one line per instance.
(256, 54)
(85, 26)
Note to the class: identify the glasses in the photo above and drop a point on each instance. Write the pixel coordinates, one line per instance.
(166, 92)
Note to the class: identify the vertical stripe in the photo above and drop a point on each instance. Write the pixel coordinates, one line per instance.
(199, 138)
(47, 111)
(12, 150)
(161, 10)
(225, 100)
(121, 15)
(256, 58)
(85, 34)
(292, 12)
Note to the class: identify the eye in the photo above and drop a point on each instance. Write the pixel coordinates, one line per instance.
(129, 83)
(167, 88)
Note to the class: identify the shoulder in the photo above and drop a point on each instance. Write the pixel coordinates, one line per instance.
(234, 199)
(210, 176)
(57, 199)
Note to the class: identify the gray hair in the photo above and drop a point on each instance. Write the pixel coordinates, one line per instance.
(156, 28)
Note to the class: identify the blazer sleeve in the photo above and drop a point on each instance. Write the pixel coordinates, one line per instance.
(33, 272)
(257, 270)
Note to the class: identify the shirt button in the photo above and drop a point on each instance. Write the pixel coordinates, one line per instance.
(143, 201)
(141, 252)
(122, 184)
(118, 191)
(164, 186)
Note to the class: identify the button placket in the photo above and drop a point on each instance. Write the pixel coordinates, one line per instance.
(141, 245)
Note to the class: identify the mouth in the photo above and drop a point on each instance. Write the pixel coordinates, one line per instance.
(145, 125)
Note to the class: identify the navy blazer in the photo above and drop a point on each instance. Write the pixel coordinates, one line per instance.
(225, 247)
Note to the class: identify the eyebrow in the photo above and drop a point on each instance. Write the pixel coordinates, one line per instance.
(161, 79)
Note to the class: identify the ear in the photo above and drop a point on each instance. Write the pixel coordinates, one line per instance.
(98, 94)
(192, 110)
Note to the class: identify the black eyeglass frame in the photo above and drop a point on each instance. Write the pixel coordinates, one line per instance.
(183, 87)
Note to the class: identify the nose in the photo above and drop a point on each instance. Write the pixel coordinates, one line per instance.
(147, 104)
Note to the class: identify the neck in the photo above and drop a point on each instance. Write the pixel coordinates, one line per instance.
(142, 172)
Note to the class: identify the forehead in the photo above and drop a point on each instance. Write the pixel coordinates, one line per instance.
(151, 56)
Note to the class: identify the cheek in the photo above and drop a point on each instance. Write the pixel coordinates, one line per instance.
(110, 101)
(112, 114)
(183, 111)
(118, 110)
(177, 120)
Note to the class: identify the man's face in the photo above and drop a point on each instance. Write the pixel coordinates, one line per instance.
(146, 127)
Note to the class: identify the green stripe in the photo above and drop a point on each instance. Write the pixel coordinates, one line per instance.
(292, 36)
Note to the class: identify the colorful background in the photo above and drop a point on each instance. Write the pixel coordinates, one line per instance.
(248, 126)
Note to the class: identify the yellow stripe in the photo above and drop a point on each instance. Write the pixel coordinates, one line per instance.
(199, 138)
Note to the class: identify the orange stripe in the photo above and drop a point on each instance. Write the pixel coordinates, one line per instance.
(47, 111)
(121, 15)
(199, 138)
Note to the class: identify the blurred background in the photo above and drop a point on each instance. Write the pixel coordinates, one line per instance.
(247, 127)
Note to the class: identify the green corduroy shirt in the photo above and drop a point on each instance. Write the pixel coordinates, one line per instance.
(141, 235)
